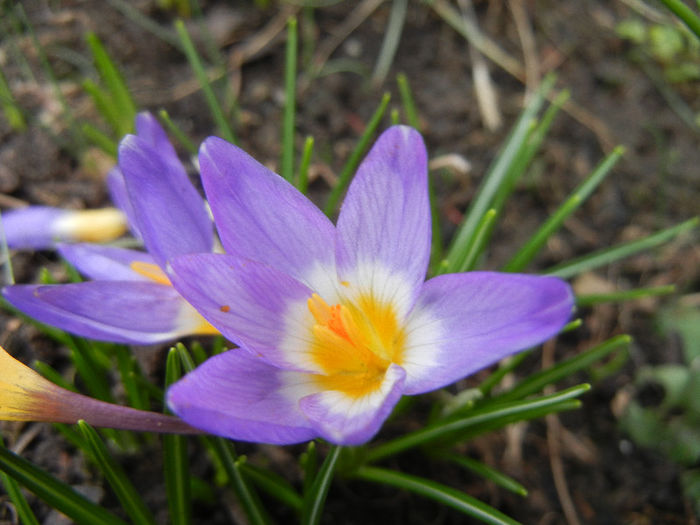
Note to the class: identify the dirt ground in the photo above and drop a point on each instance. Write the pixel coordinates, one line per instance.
(614, 100)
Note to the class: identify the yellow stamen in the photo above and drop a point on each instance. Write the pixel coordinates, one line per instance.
(150, 271)
(354, 343)
(101, 225)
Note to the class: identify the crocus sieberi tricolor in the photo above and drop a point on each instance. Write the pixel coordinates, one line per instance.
(336, 323)
(130, 298)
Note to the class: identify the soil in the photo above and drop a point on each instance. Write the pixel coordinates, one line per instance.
(615, 99)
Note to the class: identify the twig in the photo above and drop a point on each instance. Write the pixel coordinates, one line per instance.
(553, 444)
(527, 42)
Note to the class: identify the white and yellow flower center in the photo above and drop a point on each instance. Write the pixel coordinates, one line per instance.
(354, 343)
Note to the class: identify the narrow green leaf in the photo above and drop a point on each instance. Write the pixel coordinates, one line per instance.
(356, 156)
(12, 111)
(392, 36)
(129, 371)
(506, 367)
(623, 295)
(494, 415)
(537, 381)
(276, 486)
(57, 494)
(123, 104)
(309, 462)
(177, 132)
(52, 375)
(127, 495)
(198, 68)
(99, 139)
(315, 499)
(24, 512)
(303, 176)
(477, 242)
(528, 252)
(685, 13)
(177, 472)
(495, 177)
(290, 79)
(226, 455)
(609, 255)
(105, 105)
(487, 472)
(246, 495)
(438, 492)
(409, 105)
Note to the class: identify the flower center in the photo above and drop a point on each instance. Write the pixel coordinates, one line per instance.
(354, 343)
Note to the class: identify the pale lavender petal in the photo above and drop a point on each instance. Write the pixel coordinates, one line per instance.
(384, 223)
(169, 213)
(241, 397)
(105, 262)
(120, 197)
(149, 129)
(262, 217)
(462, 323)
(347, 420)
(122, 312)
(32, 227)
(255, 306)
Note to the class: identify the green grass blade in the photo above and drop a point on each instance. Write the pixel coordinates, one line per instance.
(309, 462)
(290, 79)
(129, 371)
(245, 493)
(226, 455)
(123, 104)
(12, 111)
(52, 375)
(356, 156)
(409, 105)
(57, 494)
(685, 13)
(276, 486)
(537, 381)
(496, 177)
(128, 9)
(198, 68)
(392, 36)
(498, 415)
(316, 497)
(623, 295)
(528, 252)
(99, 139)
(609, 255)
(303, 176)
(487, 472)
(177, 132)
(507, 366)
(478, 241)
(441, 493)
(127, 495)
(177, 472)
(24, 511)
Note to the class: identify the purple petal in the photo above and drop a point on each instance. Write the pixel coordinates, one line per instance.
(462, 323)
(253, 305)
(40, 227)
(32, 227)
(149, 129)
(105, 262)
(169, 212)
(118, 311)
(262, 217)
(242, 397)
(120, 197)
(347, 420)
(384, 223)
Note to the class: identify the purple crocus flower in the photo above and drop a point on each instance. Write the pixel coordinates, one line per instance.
(130, 299)
(335, 323)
